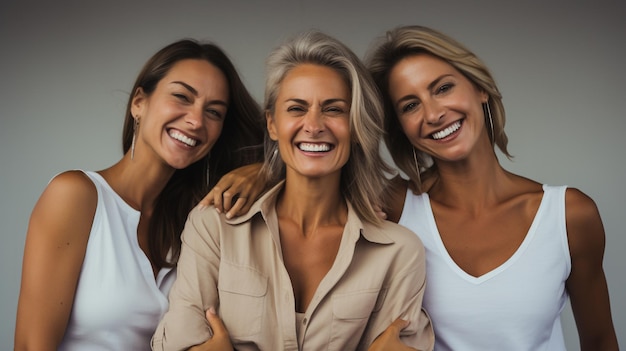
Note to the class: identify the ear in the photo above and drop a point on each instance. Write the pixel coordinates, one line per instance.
(271, 126)
(138, 102)
(484, 97)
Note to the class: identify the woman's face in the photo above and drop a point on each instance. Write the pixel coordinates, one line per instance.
(182, 119)
(439, 109)
(311, 121)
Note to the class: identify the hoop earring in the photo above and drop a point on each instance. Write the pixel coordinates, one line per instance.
(132, 145)
(487, 112)
(417, 168)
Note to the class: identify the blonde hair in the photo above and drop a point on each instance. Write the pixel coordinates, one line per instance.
(363, 180)
(412, 40)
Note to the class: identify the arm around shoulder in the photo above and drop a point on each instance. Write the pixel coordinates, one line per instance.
(586, 284)
(55, 247)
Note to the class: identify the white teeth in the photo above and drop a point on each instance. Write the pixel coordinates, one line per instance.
(444, 133)
(314, 147)
(183, 138)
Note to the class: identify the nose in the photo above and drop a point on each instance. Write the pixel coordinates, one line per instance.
(194, 118)
(313, 122)
(433, 111)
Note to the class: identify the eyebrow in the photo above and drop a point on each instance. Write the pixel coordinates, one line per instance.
(430, 87)
(195, 92)
(187, 86)
(324, 103)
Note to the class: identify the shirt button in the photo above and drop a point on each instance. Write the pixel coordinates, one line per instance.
(304, 321)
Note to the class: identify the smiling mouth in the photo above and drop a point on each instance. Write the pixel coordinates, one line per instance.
(183, 138)
(315, 147)
(446, 132)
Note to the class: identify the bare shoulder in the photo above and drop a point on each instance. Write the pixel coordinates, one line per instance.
(74, 182)
(396, 197)
(584, 225)
(69, 200)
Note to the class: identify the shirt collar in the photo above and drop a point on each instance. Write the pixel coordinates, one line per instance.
(266, 206)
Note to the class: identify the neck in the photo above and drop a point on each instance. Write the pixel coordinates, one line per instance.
(138, 183)
(475, 183)
(312, 203)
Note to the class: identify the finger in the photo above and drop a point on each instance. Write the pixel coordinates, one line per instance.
(227, 199)
(217, 198)
(207, 200)
(216, 323)
(236, 210)
(398, 325)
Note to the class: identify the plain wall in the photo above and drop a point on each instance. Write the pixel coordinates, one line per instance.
(67, 67)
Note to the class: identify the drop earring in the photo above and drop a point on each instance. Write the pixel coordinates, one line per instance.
(132, 145)
(488, 118)
(417, 168)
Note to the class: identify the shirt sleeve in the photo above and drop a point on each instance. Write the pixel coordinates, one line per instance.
(403, 299)
(195, 289)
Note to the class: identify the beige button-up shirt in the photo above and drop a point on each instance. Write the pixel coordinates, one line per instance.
(236, 266)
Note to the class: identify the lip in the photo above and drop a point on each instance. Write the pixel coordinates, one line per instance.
(176, 135)
(452, 133)
(313, 145)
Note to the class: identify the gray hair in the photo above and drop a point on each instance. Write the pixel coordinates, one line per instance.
(363, 179)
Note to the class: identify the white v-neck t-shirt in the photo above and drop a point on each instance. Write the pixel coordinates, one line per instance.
(118, 302)
(517, 305)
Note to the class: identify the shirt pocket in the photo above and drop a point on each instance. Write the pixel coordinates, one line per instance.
(242, 293)
(351, 312)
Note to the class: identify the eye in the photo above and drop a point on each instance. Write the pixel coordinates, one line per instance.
(214, 114)
(181, 97)
(296, 109)
(409, 107)
(334, 110)
(445, 88)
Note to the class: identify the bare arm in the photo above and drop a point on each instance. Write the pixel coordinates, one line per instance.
(243, 185)
(55, 247)
(396, 196)
(586, 284)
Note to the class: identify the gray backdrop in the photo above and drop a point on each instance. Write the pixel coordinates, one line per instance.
(67, 67)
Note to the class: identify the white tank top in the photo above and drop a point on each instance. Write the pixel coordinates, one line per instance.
(118, 302)
(517, 305)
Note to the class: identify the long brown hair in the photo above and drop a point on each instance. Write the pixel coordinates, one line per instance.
(240, 143)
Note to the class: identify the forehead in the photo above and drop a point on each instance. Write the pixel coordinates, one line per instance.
(421, 65)
(202, 75)
(311, 78)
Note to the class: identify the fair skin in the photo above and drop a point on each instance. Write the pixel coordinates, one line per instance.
(311, 116)
(311, 125)
(474, 198)
(179, 123)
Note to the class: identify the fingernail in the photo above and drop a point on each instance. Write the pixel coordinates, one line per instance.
(211, 310)
(218, 210)
(229, 215)
(201, 207)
